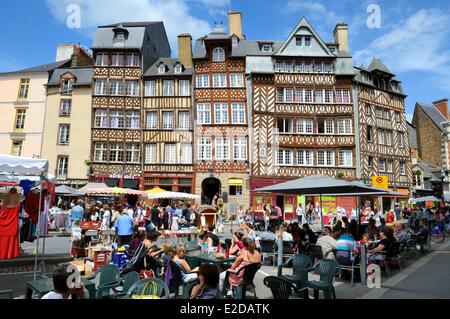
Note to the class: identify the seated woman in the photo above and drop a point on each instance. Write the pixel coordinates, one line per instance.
(208, 288)
(236, 244)
(147, 253)
(249, 255)
(206, 243)
(385, 244)
(136, 241)
(187, 273)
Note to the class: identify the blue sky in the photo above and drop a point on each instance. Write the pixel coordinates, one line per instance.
(413, 39)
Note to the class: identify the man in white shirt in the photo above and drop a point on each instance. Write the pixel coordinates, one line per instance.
(327, 243)
(300, 214)
(106, 219)
(60, 284)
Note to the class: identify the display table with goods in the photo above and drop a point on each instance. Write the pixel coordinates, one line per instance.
(41, 287)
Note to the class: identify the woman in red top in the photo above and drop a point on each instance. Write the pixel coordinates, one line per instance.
(390, 217)
(9, 224)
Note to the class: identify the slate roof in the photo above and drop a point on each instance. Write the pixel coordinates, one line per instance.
(412, 136)
(427, 168)
(170, 68)
(43, 68)
(83, 75)
(433, 114)
(378, 65)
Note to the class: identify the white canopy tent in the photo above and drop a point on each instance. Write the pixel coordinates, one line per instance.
(173, 195)
(424, 199)
(18, 168)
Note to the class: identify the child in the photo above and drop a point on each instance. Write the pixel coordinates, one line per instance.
(174, 225)
(167, 255)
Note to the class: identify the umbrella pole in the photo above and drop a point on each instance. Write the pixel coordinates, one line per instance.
(321, 213)
(38, 230)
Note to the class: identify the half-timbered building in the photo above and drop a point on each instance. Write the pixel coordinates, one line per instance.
(382, 128)
(302, 111)
(221, 117)
(123, 52)
(168, 130)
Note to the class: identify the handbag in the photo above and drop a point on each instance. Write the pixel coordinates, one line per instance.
(142, 295)
(146, 274)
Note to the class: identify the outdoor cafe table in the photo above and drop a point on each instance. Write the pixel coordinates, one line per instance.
(196, 258)
(43, 286)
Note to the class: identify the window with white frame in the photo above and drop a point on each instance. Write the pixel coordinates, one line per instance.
(221, 113)
(116, 119)
(133, 59)
(288, 95)
(307, 41)
(16, 148)
(219, 80)
(325, 126)
(379, 112)
(133, 153)
(204, 113)
(186, 153)
(100, 152)
(150, 88)
(161, 68)
(285, 157)
(202, 80)
(327, 67)
(132, 119)
(152, 120)
(117, 59)
(170, 153)
(304, 126)
(342, 96)
(184, 120)
(240, 148)
(318, 67)
(323, 96)
(389, 138)
(345, 158)
(325, 158)
(381, 139)
(218, 55)
(222, 148)
(65, 107)
(298, 67)
(238, 113)
(389, 166)
(381, 165)
(116, 152)
(204, 148)
(386, 114)
(305, 158)
(101, 59)
(368, 109)
(64, 134)
(344, 126)
(101, 119)
(307, 67)
(150, 153)
(298, 40)
(168, 88)
(401, 140)
(285, 125)
(279, 66)
(132, 88)
(236, 80)
(67, 87)
(63, 165)
(402, 168)
(167, 121)
(288, 67)
(116, 87)
(397, 116)
(100, 87)
(184, 87)
(178, 68)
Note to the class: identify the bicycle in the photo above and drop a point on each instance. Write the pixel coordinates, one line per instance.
(437, 231)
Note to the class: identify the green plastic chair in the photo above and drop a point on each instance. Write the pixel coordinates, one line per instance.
(327, 270)
(6, 294)
(109, 279)
(128, 281)
(301, 266)
(149, 287)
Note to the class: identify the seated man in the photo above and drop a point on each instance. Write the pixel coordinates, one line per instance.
(372, 230)
(346, 243)
(62, 291)
(327, 242)
(423, 233)
(402, 234)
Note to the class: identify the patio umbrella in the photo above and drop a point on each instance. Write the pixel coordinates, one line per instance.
(114, 191)
(67, 191)
(156, 190)
(424, 199)
(92, 186)
(172, 195)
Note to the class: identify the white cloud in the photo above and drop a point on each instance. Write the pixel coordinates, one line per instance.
(8, 64)
(175, 14)
(314, 10)
(418, 43)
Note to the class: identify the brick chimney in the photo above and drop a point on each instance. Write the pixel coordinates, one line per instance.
(442, 106)
(185, 50)
(235, 24)
(341, 36)
(81, 57)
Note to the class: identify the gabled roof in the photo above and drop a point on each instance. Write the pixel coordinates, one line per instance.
(170, 68)
(43, 68)
(378, 65)
(83, 75)
(304, 24)
(433, 114)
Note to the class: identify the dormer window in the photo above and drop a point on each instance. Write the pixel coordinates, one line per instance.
(120, 37)
(308, 41)
(67, 87)
(178, 69)
(298, 41)
(234, 41)
(267, 48)
(161, 68)
(218, 55)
